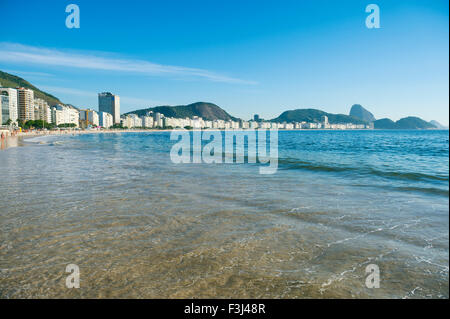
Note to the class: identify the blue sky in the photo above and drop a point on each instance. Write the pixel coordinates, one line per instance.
(248, 57)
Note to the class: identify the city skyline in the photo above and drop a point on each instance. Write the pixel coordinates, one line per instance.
(19, 106)
(264, 60)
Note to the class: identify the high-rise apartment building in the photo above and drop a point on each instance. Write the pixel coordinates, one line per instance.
(12, 97)
(42, 110)
(110, 103)
(147, 121)
(25, 102)
(4, 109)
(62, 114)
(105, 119)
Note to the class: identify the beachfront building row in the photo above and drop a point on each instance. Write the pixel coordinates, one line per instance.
(63, 114)
(20, 104)
(86, 118)
(17, 104)
(158, 120)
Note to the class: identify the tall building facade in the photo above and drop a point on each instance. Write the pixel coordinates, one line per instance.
(110, 103)
(4, 109)
(105, 119)
(12, 97)
(42, 110)
(325, 123)
(158, 119)
(25, 103)
(147, 121)
(127, 121)
(62, 114)
(89, 117)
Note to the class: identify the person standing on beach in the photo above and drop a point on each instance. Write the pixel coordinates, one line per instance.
(2, 143)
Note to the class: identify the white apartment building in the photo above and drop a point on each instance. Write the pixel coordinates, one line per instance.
(62, 114)
(105, 119)
(13, 106)
(127, 121)
(159, 120)
(4, 109)
(208, 124)
(42, 110)
(147, 121)
(197, 122)
(137, 121)
(94, 118)
(289, 126)
(253, 125)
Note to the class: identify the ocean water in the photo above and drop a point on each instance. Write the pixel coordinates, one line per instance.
(139, 226)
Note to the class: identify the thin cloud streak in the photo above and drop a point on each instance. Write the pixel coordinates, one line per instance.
(129, 101)
(18, 53)
(29, 73)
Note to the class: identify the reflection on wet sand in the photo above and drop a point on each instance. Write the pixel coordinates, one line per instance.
(10, 141)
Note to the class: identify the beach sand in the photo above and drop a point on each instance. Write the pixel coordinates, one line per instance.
(15, 139)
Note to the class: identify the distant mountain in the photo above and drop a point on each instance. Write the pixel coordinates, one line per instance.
(13, 81)
(384, 124)
(207, 111)
(407, 123)
(314, 115)
(412, 122)
(438, 125)
(361, 113)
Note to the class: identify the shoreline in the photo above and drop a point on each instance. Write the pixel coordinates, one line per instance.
(15, 139)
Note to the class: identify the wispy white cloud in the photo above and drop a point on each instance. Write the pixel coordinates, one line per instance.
(18, 53)
(68, 91)
(125, 100)
(29, 73)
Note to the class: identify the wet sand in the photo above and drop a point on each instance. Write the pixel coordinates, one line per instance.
(15, 139)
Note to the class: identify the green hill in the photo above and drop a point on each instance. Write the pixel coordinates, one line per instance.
(314, 115)
(412, 122)
(361, 113)
(207, 111)
(12, 81)
(386, 124)
(406, 123)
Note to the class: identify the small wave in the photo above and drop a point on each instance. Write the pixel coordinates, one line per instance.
(425, 190)
(289, 164)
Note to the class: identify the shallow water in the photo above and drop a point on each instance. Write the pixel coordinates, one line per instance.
(139, 226)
